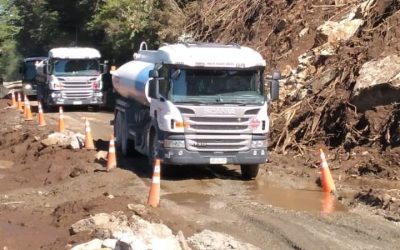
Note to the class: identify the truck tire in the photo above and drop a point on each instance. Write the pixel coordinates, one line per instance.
(153, 145)
(123, 144)
(249, 171)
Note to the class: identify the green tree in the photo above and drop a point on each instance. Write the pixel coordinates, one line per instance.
(9, 18)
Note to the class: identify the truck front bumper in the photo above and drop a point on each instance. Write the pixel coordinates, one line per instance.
(185, 157)
(56, 98)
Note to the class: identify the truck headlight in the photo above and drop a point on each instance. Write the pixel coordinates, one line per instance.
(174, 143)
(259, 144)
(56, 95)
(28, 86)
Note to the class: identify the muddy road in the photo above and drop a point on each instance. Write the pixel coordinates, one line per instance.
(44, 190)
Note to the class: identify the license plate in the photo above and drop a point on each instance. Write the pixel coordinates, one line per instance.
(77, 102)
(218, 161)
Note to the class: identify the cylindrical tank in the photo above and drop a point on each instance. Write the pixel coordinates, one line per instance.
(130, 80)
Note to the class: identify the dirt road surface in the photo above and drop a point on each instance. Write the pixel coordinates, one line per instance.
(44, 190)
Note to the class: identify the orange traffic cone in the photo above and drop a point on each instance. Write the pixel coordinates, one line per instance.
(111, 157)
(61, 125)
(326, 177)
(28, 112)
(88, 136)
(19, 107)
(327, 203)
(13, 102)
(154, 194)
(41, 120)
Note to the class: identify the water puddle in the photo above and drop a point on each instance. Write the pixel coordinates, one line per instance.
(298, 200)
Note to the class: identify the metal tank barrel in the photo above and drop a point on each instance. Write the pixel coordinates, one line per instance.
(130, 80)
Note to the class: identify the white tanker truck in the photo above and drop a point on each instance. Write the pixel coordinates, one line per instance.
(194, 104)
(70, 76)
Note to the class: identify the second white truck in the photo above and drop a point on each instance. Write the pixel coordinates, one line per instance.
(70, 76)
(195, 104)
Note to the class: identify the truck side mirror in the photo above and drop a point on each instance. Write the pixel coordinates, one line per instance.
(274, 86)
(153, 88)
(153, 73)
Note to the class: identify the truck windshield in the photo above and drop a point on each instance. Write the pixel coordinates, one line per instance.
(70, 67)
(217, 86)
(29, 71)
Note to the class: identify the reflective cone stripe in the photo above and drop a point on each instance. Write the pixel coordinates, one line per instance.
(13, 102)
(41, 120)
(111, 157)
(89, 144)
(326, 177)
(19, 107)
(25, 105)
(61, 125)
(154, 194)
(28, 112)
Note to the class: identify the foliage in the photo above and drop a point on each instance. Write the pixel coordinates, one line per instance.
(9, 17)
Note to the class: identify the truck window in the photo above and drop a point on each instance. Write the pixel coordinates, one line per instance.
(85, 67)
(29, 70)
(212, 84)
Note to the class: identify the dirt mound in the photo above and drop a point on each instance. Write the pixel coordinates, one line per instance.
(286, 32)
(33, 163)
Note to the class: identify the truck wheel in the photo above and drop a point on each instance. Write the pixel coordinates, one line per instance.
(249, 171)
(121, 133)
(153, 146)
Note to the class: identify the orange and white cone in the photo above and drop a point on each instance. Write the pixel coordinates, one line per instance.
(154, 194)
(41, 120)
(327, 203)
(89, 144)
(61, 125)
(14, 104)
(326, 178)
(20, 106)
(28, 112)
(111, 157)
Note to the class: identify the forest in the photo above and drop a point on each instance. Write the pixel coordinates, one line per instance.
(115, 27)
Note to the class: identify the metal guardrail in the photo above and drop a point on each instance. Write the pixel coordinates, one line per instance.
(8, 87)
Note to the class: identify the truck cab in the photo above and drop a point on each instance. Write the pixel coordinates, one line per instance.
(28, 75)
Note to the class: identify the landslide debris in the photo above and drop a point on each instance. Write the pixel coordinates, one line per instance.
(341, 78)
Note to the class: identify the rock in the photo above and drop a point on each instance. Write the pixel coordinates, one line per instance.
(133, 234)
(66, 139)
(209, 240)
(139, 209)
(323, 80)
(6, 164)
(304, 32)
(109, 243)
(91, 245)
(333, 32)
(101, 155)
(378, 83)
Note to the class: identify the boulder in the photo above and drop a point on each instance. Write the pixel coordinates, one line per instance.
(333, 32)
(209, 240)
(91, 245)
(378, 83)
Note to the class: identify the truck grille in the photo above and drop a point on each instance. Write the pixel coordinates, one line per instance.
(77, 90)
(222, 133)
